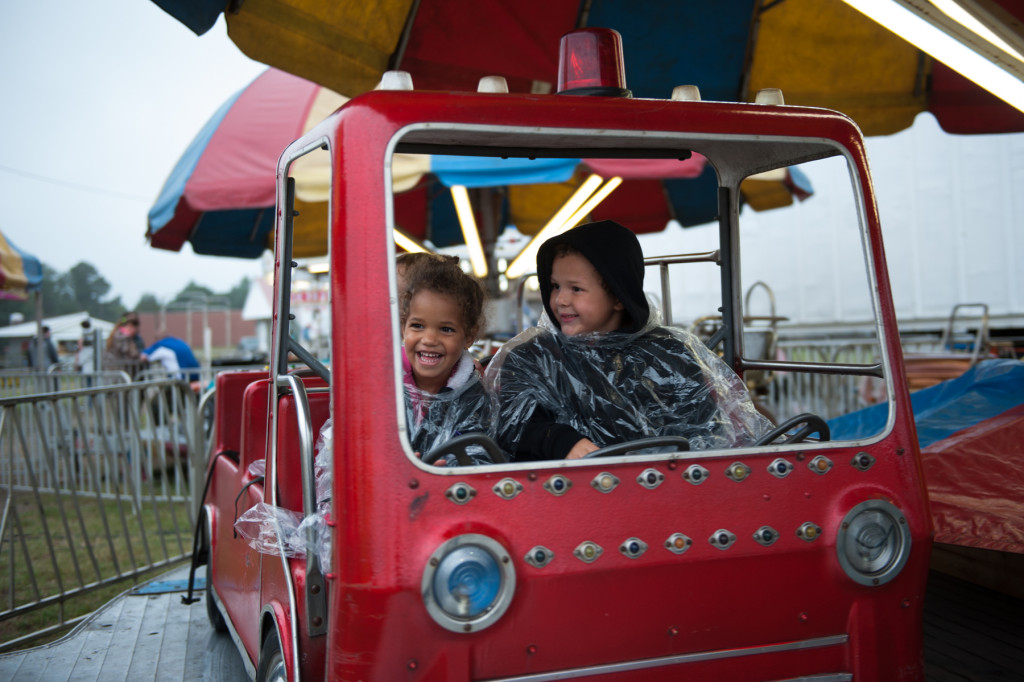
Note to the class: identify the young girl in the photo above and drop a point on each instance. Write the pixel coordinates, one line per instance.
(441, 316)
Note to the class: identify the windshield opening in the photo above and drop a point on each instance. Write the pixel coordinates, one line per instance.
(757, 280)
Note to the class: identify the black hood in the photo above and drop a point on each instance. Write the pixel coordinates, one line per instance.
(615, 253)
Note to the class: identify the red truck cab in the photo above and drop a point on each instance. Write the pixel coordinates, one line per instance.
(800, 558)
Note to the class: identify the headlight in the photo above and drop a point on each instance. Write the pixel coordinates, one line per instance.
(873, 543)
(468, 583)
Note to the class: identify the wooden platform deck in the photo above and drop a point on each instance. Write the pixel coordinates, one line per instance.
(972, 634)
(145, 634)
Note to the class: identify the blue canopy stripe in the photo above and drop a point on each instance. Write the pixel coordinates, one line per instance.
(166, 203)
(473, 171)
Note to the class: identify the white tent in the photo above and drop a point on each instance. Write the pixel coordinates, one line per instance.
(62, 328)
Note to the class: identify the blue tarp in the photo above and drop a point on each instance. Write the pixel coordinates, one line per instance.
(986, 390)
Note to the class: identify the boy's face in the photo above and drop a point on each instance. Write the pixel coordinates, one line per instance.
(434, 337)
(578, 299)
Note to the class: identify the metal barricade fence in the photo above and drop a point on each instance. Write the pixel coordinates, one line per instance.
(202, 376)
(826, 395)
(97, 486)
(18, 382)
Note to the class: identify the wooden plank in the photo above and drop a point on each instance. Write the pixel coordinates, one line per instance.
(214, 658)
(135, 649)
(971, 633)
(999, 571)
(988, 619)
(174, 644)
(95, 636)
(11, 666)
(211, 656)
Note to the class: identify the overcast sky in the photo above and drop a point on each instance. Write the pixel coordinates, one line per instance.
(100, 99)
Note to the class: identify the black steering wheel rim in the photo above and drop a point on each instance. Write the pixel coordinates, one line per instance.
(459, 446)
(639, 444)
(812, 423)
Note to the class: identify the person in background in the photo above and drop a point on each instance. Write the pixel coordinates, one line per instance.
(85, 358)
(47, 355)
(174, 354)
(122, 352)
(137, 338)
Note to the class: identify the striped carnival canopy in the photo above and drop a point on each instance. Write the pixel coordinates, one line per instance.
(20, 272)
(220, 195)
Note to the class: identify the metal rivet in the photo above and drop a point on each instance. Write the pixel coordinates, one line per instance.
(605, 482)
(507, 488)
(460, 493)
(722, 539)
(650, 478)
(539, 557)
(695, 474)
(558, 485)
(678, 543)
(737, 471)
(588, 552)
(633, 548)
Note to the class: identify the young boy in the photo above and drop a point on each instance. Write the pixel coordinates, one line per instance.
(604, 371)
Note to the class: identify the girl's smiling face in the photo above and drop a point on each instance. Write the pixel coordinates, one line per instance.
(579, 299)
(434, 336)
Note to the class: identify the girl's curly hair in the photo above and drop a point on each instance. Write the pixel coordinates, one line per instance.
(443, 275)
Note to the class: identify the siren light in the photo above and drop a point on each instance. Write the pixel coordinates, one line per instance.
(590, 63)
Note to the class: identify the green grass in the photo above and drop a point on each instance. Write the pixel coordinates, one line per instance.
(122, 539)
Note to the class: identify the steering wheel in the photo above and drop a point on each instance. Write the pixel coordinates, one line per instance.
(459, 446)
(639, 444)
(812, 423)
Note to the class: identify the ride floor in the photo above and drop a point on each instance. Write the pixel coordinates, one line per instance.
(971, 634)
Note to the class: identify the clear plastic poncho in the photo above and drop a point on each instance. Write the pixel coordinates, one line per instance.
(269, 529)
(434, 419)
(614, 387)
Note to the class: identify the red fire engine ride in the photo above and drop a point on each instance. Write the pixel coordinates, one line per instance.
(800, 558)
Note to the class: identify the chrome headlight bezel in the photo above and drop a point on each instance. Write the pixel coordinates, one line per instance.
(864, 530)
(485, 552)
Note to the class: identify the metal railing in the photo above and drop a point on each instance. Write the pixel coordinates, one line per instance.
(19, 382)
(203, 376)
(830, 395)
(788, 394)
(97, 486)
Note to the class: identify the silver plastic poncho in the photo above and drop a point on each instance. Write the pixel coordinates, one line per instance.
(616, 387)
